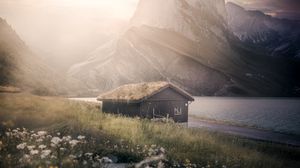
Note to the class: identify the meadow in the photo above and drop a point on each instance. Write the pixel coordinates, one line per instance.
(55, 132)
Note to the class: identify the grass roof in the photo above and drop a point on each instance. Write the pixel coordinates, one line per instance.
(138, 91)
(133, 92)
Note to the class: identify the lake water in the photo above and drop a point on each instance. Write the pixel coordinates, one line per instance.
(278, 114)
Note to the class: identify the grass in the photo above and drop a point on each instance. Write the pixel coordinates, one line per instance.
(183, 145)
(9, 89)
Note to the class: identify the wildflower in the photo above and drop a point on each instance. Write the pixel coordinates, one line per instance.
(105, 160)
(80, 137)
(66, 138)
(42, 146)
(40, 140)
(42, 133)
(84, 162)
(73, 142)
(72, 156)
(8, 134)
(34, 135)
(45, 153)
(58, 133)
(26, 156)
(21, 146)
(55, 141)
(34, 152)
(31, 147)
(62, 149)
(162, 150)
(88, 154)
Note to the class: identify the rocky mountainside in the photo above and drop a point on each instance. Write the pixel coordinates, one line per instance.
(277, 37)
(20, 67)
(189, 43)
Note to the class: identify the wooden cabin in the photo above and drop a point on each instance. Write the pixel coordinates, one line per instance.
(148, 100)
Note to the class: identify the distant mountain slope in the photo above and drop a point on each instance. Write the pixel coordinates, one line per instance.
(20, 67)
(189, 43)
(277, 37)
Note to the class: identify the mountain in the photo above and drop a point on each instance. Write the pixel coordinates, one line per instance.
(277, 37)
(189, 43)
(20, 67)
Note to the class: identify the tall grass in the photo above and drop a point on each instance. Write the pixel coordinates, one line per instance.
(183, 145)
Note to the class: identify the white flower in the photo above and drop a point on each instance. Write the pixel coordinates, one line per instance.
(45, 153)
(66, 138)
(88, 154)
(84, 162)
(72, 156)
(26, 156)
(62, 149)
(34, 152)
(7, 134)
(58, 133)
(34, 135)
(55, 141)
(21, 146)
(31, 147)
(81, 137)
(162, 150)
(105, 160)
(42, 133)
(73, 142)
(39, 140)
(42, 146)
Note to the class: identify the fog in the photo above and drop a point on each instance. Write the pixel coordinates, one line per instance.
(63, 32)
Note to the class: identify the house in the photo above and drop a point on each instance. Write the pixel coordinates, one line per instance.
(148, 100)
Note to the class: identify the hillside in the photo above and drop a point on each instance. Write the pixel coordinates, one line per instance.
(20, 67)
(277, 37)
(189, 43)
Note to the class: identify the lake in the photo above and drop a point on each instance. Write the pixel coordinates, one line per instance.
(278, 114)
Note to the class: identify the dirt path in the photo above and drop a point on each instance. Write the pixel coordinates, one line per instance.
(251, 133)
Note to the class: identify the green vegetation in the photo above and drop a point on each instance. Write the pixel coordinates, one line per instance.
(130, 139)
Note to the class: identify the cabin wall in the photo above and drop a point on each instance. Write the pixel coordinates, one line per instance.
(127, 109)
(177, 110)
(165, 103)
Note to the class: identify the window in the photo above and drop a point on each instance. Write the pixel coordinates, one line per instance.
(177, 111)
